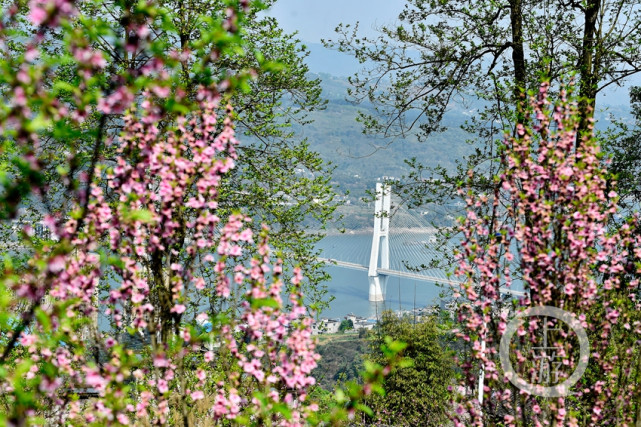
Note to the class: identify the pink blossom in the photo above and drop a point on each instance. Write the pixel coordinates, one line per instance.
(57, 264)
(37, 15)
(162, 386)
(160, 361)
(122, 419)
(150, 211)
(28, 340)
(50, 10)
(178, 308)
(551, 211)
(197, 395)
(202, 318)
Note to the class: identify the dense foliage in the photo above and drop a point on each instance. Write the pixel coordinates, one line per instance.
(438, 53)
(625, 151)
(543, 210)
(279, 179)
(547, 230)
(418, 394)
(341, 360)
(140, 296)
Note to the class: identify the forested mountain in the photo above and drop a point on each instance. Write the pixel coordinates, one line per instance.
(360, 160)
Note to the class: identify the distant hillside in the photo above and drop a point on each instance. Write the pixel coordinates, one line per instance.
(362, 159)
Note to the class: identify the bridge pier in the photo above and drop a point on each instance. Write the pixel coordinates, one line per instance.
(376, 285)
(380, 243)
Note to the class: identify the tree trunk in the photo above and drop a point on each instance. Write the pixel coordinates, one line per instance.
(588, 69)
(518, 57)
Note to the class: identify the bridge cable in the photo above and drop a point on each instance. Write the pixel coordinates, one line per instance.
(400, 307)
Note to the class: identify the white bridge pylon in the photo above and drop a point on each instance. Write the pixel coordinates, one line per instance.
(380, 243)
(380, 250)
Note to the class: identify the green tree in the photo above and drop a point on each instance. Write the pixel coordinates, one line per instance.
(341, 360)
(44, 354)
(280, 180)
(624, 147)
(490, 53)
(417, 395)
(346, 325)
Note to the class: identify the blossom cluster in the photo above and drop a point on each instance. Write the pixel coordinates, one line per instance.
(143, 244)
(175, 178)
(549, 229)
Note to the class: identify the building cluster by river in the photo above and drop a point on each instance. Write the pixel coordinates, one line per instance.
(332, 325)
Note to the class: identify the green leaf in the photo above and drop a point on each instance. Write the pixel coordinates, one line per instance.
(365, 408)
(142, 215)
(395, 346)
(264, 302)
(405, 363)
(283, 409)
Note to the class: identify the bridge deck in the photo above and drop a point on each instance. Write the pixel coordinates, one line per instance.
(410, 275)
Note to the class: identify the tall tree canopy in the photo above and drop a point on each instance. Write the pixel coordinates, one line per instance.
(418, 394)
(281, 181)
(492, 51)
(195, 328)
(540, 203)
(546, 228)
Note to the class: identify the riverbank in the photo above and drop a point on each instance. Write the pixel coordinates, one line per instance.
(370, 230)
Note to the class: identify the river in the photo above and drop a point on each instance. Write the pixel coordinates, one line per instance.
(350, 287)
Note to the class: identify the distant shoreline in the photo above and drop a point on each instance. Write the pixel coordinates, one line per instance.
(370, 230)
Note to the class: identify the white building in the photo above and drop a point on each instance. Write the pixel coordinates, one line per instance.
(325, 326)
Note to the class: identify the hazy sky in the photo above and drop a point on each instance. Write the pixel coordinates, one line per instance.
(316, 19)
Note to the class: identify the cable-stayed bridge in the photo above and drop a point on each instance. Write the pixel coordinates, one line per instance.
(395, 273)
(401, 240)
